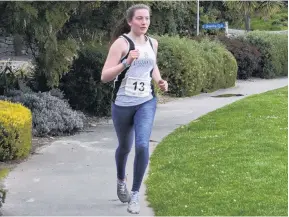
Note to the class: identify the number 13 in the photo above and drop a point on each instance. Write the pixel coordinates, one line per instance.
(141, 84)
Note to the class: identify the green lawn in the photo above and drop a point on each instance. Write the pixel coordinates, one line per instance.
(277, 22)
(230, 162)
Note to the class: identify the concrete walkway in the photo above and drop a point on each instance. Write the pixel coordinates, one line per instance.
(76, 175)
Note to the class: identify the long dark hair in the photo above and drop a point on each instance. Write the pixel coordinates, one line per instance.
(122, 26)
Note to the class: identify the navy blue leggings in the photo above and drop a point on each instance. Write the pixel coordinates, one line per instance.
(129, 121)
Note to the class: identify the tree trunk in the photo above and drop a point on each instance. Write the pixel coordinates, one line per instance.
(247, 22)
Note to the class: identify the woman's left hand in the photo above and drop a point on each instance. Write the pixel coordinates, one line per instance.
(163, 85)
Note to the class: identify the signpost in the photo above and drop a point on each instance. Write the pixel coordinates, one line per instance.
(198, 17)
(214, 26)
(217, 26)
(209, 25)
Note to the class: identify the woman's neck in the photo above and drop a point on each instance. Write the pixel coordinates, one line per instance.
(139, 39)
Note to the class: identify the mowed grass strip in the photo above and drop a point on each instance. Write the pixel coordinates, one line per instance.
(230, 162)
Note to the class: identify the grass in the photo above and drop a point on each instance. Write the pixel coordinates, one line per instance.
(3, 173)
(230, 162)
(277, 22)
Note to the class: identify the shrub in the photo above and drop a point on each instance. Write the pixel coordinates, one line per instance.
(178, 67)
(82, 84)
(15, 131)
(51, 115)
(192, 67)
(57, 93)
(8, 80)
(248, 57)
(274, 53)
(221, 66)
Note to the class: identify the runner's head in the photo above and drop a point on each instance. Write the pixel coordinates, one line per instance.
(137, 20)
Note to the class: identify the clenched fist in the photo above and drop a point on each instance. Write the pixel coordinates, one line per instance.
(163, 85)
(133, 54)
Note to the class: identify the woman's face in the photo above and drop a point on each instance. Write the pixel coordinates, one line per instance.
(140, 21)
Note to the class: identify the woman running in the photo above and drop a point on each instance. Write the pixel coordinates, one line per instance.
(131, 63)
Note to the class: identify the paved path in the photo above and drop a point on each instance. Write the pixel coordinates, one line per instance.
(76, 175)
(243, 32)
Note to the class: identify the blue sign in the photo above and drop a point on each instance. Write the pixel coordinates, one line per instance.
(214, 26)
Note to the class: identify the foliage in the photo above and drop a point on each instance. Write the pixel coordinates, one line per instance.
(278, 21)
(41, 24)
(82, 85)
(246, 9)
(55, 31)
(247, 55)
(51, 115)
(274, 52)
(15, 131)
(195, 67)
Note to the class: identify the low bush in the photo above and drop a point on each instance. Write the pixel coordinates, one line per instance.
(221, 66)
(192, 67)
(15, 131)
(274, 52)
(82, 85)
(248, 56)
(51, 115)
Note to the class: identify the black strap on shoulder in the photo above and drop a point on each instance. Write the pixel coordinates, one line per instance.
(131, 46)
(151, 43)
(152, 84)
(120, 77)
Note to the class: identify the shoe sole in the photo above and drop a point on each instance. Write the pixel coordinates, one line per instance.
(132, 212)
(124, 201)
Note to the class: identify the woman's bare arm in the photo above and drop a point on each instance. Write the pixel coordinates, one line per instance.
(163, 85)
(156, 72)
(112, 67)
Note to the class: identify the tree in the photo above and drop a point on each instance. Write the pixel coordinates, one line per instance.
(41, 26)
(268, 8)
(248, 8)
(54, 31)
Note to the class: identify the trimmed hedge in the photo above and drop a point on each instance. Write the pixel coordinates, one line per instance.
(82, 84)
(15, 131)
(247, 55)
(221, 66)
(192, 67)
(274, 52)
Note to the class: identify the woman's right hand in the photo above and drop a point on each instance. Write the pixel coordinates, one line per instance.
(133, 54)
(112, 67)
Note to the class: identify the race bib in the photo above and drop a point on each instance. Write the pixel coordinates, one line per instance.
(137, 87)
